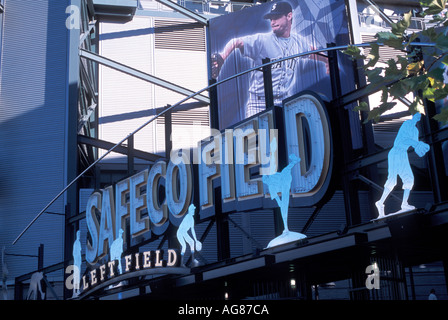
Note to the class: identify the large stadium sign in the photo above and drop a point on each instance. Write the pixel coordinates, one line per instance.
(238, 157)
(275, 157)
(245, 159)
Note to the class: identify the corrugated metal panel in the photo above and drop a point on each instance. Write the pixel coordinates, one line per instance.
(209, 245)
(122, 97)
(184, 68)
(32, 128)
(236, 237)
(329, 219)
(84, 195)
(188, 127)
(183, 64)
(261, 226)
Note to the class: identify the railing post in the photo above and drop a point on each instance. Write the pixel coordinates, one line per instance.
(267, 79)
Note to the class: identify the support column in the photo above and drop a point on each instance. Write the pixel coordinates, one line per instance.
(222, 228)
(342, 125)
(267, 80)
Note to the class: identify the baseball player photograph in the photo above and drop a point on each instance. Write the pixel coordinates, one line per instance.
(278, 38)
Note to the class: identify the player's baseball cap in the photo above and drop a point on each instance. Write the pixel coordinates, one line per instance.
(278, 9)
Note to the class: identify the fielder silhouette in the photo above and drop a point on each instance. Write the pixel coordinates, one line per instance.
(398, 163)
(184, 238)
(116, 250)
(35, 285)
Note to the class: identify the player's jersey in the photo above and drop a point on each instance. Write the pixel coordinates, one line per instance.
(268, 45)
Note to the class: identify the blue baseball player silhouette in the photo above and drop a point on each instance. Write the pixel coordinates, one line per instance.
(398, 162)
(279, 43)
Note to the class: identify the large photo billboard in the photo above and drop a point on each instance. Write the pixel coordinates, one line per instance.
(275, 30)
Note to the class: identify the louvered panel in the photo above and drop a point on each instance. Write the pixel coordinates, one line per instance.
(179, 35)
(386, 52)
(199, 116)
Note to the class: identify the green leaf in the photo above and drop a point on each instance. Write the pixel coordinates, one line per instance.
(442, 116)
(416, 106)
(445, 60)
(441, 93)
(400, 27)
(373, 55)
(363, 106)
(390, 39)
(374, 75)
(415, 67)
(428, 93)
(416, 83)
(436, 74)
(434, 6)
(403, 62)
(384, 94)
(431, 34)
(392, 72)
(398, 90)
(354, 52)
(375, 113)
(442, 42)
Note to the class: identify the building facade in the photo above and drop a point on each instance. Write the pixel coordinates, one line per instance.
(81, 78)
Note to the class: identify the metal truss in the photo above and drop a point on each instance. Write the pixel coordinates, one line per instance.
(141, 75)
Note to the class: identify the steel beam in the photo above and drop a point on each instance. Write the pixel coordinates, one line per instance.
(120, 149)
(140, 75)
(379, 11)
(186, 12)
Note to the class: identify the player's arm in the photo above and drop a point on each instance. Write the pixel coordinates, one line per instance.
(420, 147)
(410, 138)
(219, 58)
(230, 46)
